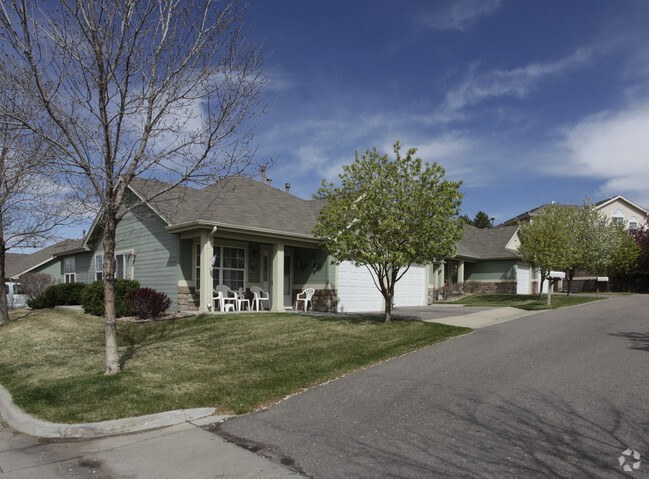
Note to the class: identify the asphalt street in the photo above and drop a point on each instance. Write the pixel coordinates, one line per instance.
(556, 394)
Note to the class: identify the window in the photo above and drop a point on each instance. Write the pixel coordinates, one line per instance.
(633, 223)
(228, 267)
(68, 270)
(99, 267)
(233, 267)
(617, 217)
(124, 266)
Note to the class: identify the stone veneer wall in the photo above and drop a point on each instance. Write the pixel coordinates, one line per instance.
(325, 300)
(499, 287)
(188, 299)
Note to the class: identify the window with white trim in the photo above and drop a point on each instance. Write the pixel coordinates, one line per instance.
(228, 267)
(124, 266)
(99, 267)
(617, 217)
(69, 270)
(633, 223)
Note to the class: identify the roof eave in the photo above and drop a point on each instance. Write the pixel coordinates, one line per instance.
(198, 224)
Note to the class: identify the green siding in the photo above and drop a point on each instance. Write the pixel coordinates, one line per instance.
(156, 252)
(186, 265)
(54, 268)
(498, 270)
(254, 260)
(305, 277)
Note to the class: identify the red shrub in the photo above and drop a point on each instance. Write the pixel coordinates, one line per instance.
(148, 303)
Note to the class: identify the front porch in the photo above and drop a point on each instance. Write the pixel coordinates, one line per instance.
(283, 267)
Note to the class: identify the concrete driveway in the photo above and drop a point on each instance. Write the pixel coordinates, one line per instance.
(557, 394)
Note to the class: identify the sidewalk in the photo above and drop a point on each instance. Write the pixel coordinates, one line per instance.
(181, 449)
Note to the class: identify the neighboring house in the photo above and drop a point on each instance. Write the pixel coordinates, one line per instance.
(620, 210)
(617, 209)
(45, 260)
(490, 257)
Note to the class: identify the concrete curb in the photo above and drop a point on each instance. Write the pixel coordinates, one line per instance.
(27, 424)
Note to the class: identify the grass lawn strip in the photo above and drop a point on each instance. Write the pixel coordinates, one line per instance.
(52, 361)
(529, 302)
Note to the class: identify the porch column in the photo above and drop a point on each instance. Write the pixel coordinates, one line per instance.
(460, 271)
(206, 293)
(277, 299)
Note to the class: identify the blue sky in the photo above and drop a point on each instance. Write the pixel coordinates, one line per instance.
(527, 102)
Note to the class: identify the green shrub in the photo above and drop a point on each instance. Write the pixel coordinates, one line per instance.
(58, 295)
(39, 302)
(92, 298)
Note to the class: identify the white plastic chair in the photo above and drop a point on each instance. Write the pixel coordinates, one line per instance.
(241, 300)
(222, 295)
(259, 296)
(305, 296)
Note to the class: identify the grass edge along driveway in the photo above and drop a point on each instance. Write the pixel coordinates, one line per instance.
(52, 361)
(529, 302)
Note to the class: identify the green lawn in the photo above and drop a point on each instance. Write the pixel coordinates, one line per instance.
(52, 361)
(524, 301)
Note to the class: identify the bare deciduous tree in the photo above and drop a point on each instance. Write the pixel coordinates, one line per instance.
(160, 89)
(32, 206)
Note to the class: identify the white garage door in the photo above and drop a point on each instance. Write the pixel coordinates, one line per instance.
(522, 279)
(357, 292)
(411, 289)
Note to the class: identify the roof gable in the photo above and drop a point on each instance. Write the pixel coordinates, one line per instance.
(488, 243)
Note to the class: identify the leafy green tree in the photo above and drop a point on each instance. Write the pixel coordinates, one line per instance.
(544, 240)
(641, 236)
(625, 252)
(576, 238)
(388, 214)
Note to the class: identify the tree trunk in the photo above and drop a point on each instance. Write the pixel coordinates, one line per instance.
(110, 318)
(388, 307)
(541, 286)
(4, 307)
(570, 274)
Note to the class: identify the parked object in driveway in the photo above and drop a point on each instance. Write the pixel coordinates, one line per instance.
(15, 296)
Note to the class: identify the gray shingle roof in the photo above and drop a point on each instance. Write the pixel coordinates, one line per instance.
(236, 201)
(19, 263)
(487, 243)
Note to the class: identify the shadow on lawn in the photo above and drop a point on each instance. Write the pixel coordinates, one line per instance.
(140, 335)
(378, 318)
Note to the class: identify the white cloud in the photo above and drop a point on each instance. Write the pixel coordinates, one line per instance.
(460, 14)
(613, 147)
(518, 82)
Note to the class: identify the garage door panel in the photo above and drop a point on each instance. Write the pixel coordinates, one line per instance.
(522, 279)
(357, 292)
(410, 289)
